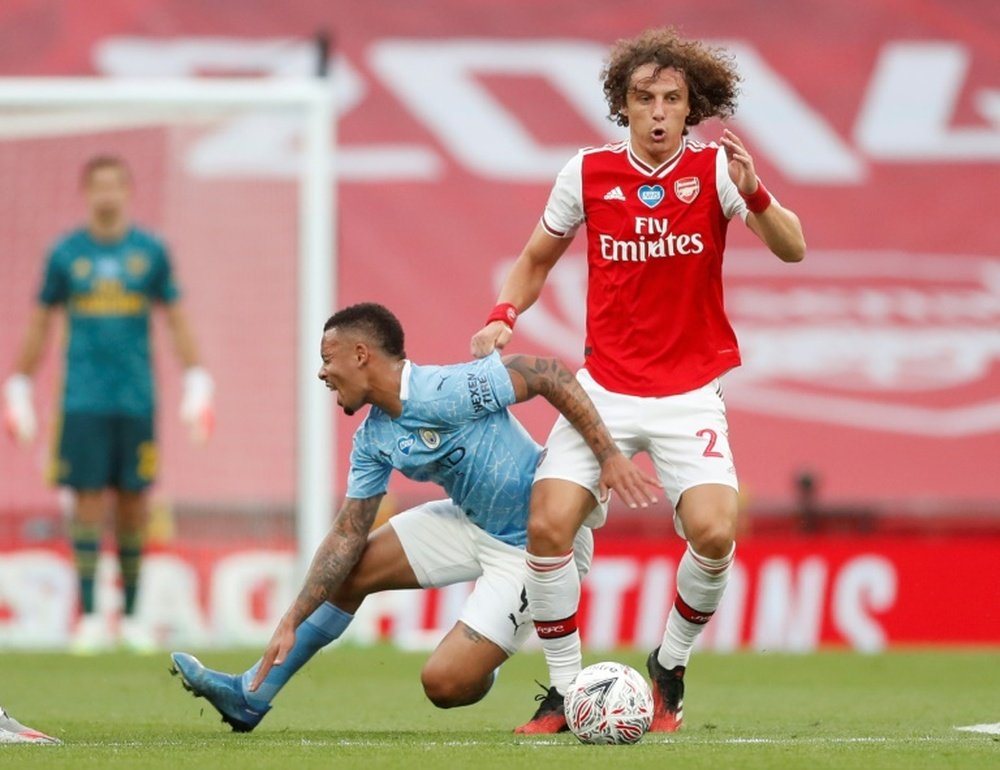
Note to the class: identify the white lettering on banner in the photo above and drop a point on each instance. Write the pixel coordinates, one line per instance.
(436, 80)
(654, 601)
(864, 585)
(782, 125)
(168, 600)
(403, 613)
(235, 580)
(608, 581)
(855, 357)
(431, 76)
(886, 304)
(451, 599)
(264, 143)
(38, 590)
(899, 122)
(725, 631)
(148, 57)
(789, 609)
(891, 324)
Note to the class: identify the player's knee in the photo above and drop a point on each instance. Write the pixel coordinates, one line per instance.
(710, 521)
(446, 688)
(88, 507)
(557, 510)
(714, 539)
(549, 532)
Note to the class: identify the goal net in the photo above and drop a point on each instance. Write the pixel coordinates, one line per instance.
(250, 240)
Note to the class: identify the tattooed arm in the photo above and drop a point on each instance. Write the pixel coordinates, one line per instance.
(549, 378)
(334, 559)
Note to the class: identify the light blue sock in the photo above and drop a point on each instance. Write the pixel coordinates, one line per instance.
(326, 623)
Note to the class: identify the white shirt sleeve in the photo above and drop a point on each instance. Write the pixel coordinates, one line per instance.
(729, 196)
(564, 210)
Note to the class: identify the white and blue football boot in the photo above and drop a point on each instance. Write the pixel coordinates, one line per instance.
(223, 691)
(12, 731)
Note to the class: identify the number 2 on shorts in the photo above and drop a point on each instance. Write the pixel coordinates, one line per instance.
(712, 438)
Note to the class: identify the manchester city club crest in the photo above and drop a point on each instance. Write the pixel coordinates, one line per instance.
(431, 438)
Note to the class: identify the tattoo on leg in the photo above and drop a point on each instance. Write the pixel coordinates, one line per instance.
(473, 635)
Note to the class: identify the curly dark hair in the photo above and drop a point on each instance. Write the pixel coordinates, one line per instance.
(373, 321)
(710, 73)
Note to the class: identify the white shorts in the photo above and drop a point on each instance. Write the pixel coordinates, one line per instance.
(444, 547)
(686, 436)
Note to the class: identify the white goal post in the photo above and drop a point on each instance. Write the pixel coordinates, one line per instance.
(316, 254)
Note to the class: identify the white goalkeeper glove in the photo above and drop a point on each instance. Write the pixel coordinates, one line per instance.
(197, 406)
(18, 411)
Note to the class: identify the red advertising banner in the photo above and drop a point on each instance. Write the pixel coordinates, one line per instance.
(792, 594)
(798, 593)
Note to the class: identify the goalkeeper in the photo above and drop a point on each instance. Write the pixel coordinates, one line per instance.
(450, 425)
(106, 276)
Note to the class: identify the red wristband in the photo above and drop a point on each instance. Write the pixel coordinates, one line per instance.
(505, 312)
(758, 200)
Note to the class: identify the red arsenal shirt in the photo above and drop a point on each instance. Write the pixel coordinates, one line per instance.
(656, 322)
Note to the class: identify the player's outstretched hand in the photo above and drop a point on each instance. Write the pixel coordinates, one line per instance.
(491, 337)
(741, 168)
(628, 480)
(277, 650)
(18, 411)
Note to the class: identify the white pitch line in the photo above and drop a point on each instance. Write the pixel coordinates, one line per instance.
(749, 741)
(989, 729)
(369, 743)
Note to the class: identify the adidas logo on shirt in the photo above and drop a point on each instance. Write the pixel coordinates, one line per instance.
(615, 194)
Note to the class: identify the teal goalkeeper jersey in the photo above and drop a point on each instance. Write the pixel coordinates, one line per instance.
(108, 289)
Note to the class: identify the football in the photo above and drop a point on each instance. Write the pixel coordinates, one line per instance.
(609, 703)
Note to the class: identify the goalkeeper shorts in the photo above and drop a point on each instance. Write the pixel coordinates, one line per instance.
(98, 451)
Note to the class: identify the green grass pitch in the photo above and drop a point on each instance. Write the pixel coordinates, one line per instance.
(364, 708)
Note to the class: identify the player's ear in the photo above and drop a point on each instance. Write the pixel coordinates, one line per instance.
(361, 353)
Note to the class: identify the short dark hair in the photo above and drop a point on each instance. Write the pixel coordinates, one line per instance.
(103, 160)
(710, 73)
(373, 321)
